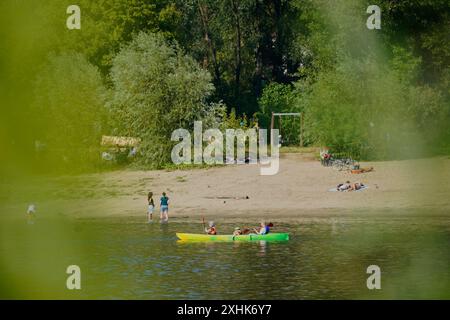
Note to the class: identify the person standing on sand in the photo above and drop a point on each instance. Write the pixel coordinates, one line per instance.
(164, 203)
(151, 207)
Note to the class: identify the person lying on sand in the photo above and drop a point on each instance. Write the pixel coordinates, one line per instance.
(356, 186)
(362, 170)
(212, 229)
(347, 186)
(344, 186)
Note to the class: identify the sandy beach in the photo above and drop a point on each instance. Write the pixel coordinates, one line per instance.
(300, 188)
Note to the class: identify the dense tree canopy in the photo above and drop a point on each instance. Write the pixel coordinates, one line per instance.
(181, 60)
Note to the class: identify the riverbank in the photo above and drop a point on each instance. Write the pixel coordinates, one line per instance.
(300, 188)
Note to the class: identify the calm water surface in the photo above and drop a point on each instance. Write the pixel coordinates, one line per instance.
(326, 258)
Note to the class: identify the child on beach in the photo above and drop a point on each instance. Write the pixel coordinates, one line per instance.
(164, 203)
(151, 207)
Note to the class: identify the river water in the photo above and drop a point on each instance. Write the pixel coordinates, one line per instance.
(326, 258)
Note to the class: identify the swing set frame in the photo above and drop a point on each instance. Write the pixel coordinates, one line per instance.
(292, 114)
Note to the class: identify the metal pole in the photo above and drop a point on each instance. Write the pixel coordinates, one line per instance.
(272, 123)
(301, 130)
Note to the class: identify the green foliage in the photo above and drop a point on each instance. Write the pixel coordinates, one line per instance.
(315, 56)
(368, 93)
(280, 98)
(422, 26)
(69, 110)
(231, 121)
(365, 109)
(108, 25)
(405, 64)
(276, 97)
(243, 43)
(157, 89)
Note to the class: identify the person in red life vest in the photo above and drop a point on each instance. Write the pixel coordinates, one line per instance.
(212, 228)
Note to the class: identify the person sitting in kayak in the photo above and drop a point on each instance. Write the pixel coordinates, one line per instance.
(263, 229)
(212, 229)
(237, 231)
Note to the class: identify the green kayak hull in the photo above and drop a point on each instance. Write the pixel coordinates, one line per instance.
(229, 238)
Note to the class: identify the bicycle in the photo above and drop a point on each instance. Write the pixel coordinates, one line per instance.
(343, 164)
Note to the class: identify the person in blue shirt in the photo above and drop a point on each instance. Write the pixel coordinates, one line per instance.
(164, 203)
(263, 228)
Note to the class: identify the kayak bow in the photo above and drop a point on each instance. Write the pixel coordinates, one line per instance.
(228, 238)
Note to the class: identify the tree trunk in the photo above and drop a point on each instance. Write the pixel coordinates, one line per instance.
(238, 59)
(203, 9)
(257, 75)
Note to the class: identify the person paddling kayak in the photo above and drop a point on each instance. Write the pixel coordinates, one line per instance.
(212, 229)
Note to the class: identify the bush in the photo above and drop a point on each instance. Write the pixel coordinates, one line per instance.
(365, 109)
(69, 109)
(280, 98)
(157, 89)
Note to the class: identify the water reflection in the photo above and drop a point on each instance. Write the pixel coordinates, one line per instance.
(262, 248)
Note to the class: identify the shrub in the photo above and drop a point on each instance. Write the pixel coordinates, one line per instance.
(157, 89)
(68, 106)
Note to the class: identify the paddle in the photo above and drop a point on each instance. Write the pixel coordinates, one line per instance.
(270, 225)
(204, 227)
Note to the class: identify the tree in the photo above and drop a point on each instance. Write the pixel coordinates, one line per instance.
(157, 89)
(69, 109)
(108, 25)
(243, 43)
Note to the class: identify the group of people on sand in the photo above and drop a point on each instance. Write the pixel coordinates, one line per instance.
(262, 229)
(164, 207)
(348, 186)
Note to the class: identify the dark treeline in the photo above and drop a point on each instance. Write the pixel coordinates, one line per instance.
(144, 68)
(245, 44)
